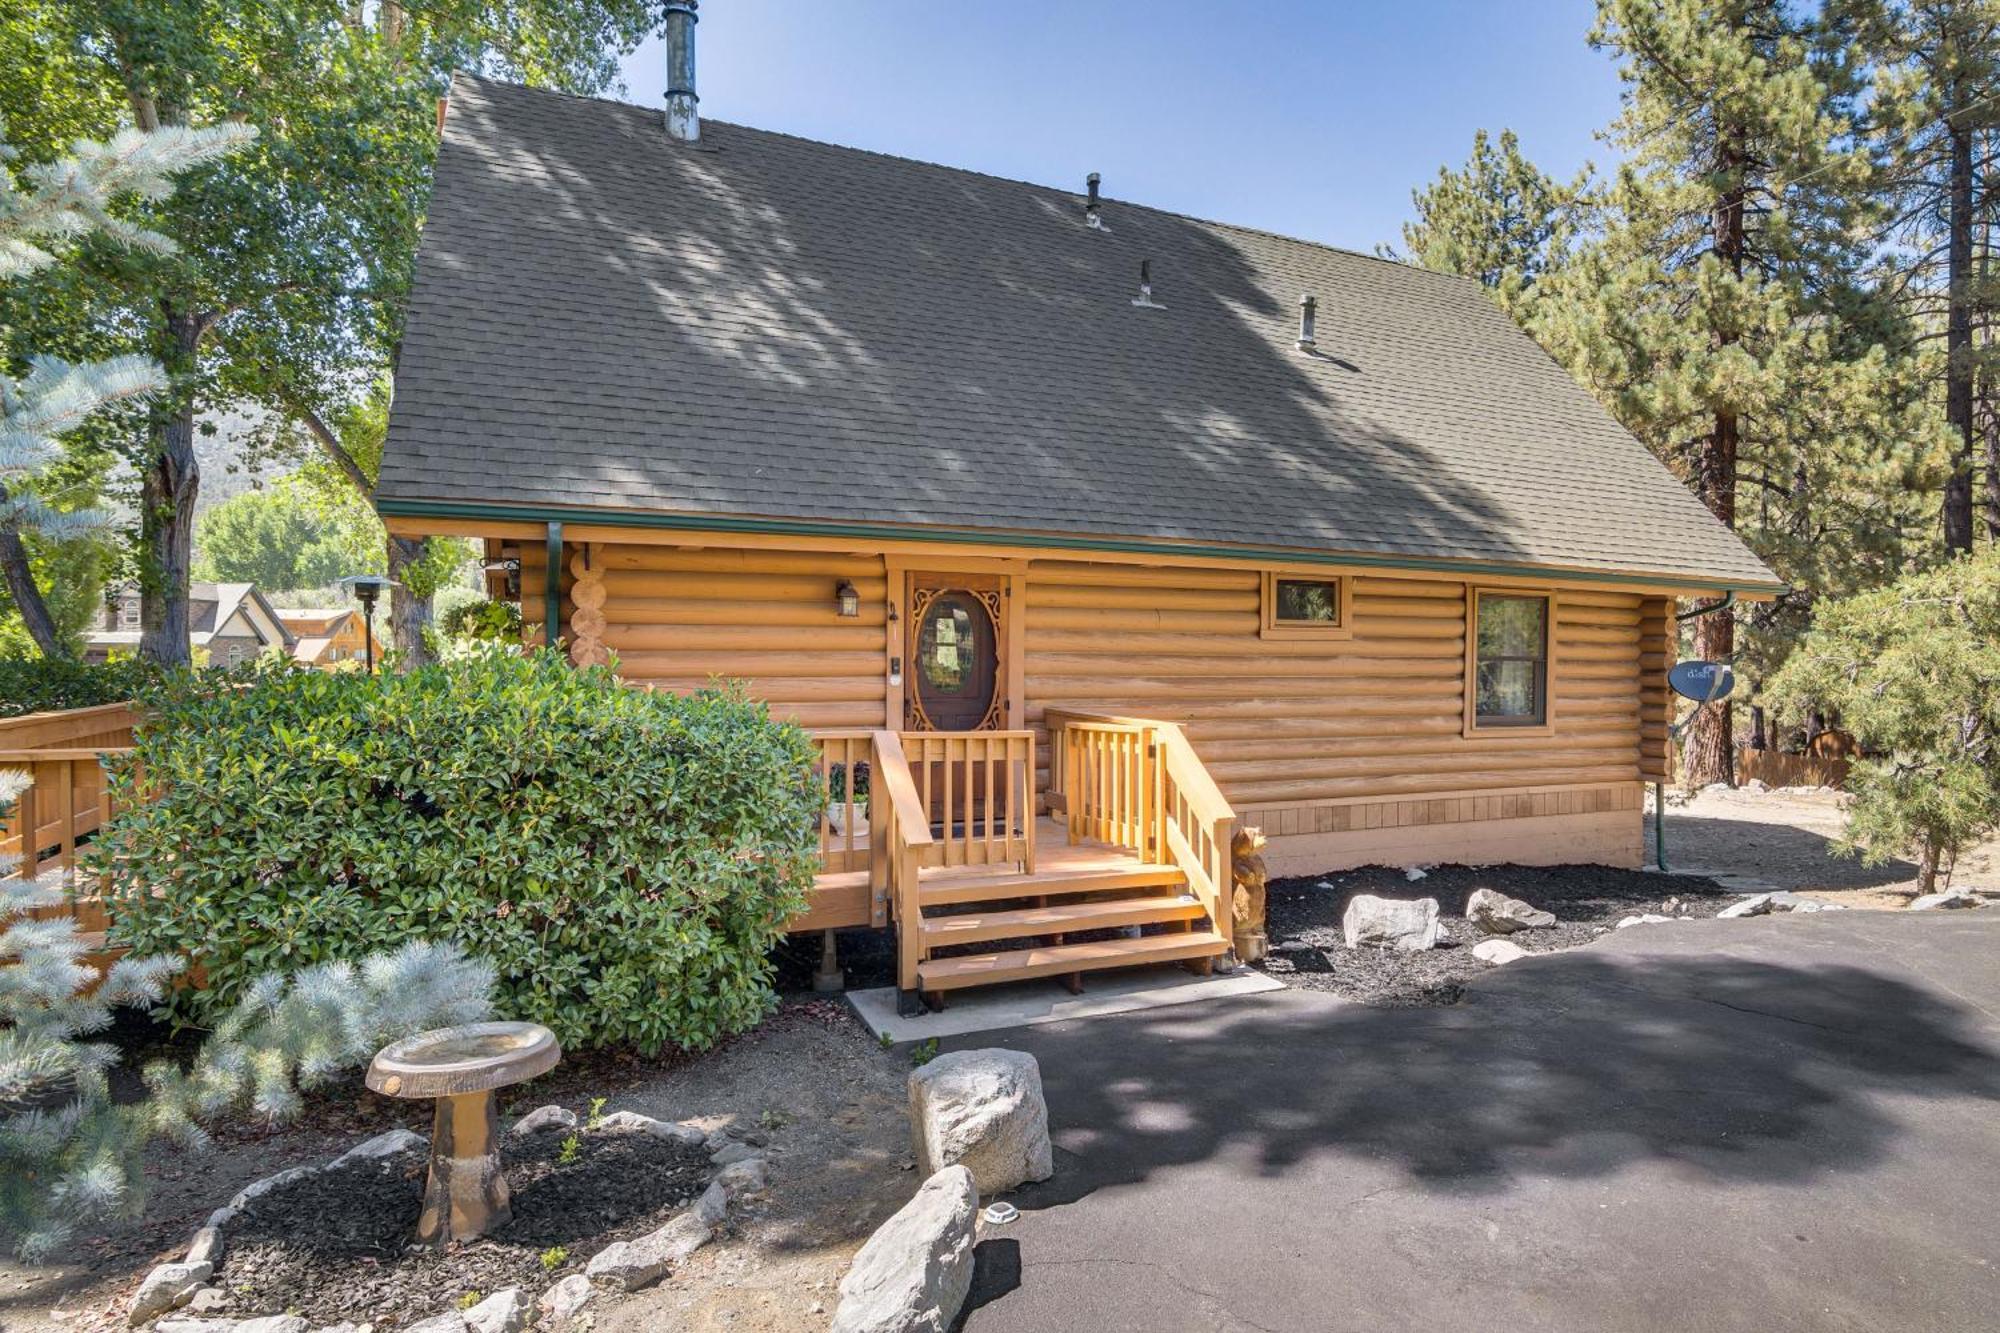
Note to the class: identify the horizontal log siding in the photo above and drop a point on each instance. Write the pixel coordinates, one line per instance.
(676, 617)
(1349, 735)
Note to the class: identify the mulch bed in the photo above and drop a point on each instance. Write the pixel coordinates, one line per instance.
(1308, 949)
(336, 1246)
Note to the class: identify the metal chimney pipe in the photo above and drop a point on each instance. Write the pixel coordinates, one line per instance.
(1090, 207)
(1308, 307)
(683, 122)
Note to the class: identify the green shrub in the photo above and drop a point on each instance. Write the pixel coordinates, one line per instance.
(37, 684)
(623, 859)
(1913, 670)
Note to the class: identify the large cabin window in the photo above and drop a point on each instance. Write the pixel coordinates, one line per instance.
(1304, 605)
(1509, 659)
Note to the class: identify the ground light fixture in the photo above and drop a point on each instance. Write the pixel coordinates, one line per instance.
(367, 588)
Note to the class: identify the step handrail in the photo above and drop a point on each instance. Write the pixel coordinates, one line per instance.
(904, 832)
(1187, 819)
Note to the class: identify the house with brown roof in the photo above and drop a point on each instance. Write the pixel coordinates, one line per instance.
(325, 637)
(1092, 534)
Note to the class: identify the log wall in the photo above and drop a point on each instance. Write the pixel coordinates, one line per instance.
(1344, 750)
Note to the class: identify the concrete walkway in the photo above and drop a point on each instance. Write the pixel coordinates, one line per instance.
(1772, 1124)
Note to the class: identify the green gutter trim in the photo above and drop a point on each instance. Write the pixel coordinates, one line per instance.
(797, 527)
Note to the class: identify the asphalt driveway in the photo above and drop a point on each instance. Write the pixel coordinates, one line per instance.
(1769, 1124)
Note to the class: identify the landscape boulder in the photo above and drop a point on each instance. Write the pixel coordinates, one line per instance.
(913, 1274)
(167, 1287)
(982, 1110)
(560, 1303)
(631, 1264)
(391, 1144)
(1497, 951)
(543, 1119)
(1405, 924)
(1497, 914)
(1950, 898)
(1757, 904)
(504, 1311)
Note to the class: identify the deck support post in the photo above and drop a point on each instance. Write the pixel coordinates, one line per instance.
(829, 980)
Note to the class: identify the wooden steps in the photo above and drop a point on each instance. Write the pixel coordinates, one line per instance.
(935, 888)
(940, 974)
(1058, 918)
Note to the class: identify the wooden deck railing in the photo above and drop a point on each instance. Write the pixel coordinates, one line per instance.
(63, 752)
(1137, 783)
(900, 823)
(978, 788)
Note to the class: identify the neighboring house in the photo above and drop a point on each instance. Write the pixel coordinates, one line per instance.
(231, 622)
(1287, 537)
(326, 636)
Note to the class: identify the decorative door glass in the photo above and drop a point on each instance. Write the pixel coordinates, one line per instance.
(956, 661)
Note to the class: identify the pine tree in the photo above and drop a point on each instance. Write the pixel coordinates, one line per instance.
(1710, 312)
(1934, 106)
(47, 209)
(1498, 219)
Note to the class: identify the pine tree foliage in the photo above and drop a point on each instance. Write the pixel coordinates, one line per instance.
(1914, 670)
(45, 210)
(293, 1032)
(68, 1155)
(1932, 113)
(1498, 219)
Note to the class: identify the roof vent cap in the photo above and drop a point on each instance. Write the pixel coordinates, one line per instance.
(1144, 300)
(1308, 308)
(1093, 215)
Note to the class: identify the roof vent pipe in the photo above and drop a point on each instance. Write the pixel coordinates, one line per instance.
(1308, 307)
(1145, 299)
(1092, 217)
(683, 123)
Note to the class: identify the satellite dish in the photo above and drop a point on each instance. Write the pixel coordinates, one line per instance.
(1702, 681)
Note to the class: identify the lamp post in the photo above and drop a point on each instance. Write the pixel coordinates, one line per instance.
(366, 588)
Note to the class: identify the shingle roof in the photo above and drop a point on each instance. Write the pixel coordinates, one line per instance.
(770, 326)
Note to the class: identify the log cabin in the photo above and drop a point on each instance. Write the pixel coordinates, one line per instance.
(1082, 536)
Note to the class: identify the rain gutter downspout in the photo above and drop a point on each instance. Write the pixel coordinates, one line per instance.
(1660, 786)
(552, 606)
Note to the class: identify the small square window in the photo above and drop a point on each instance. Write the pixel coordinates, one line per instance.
(1307, 602)
(1304, 605)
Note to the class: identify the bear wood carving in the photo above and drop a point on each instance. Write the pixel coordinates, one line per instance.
(1246, 853)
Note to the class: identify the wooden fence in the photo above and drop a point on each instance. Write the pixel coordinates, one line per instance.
(1775, 768)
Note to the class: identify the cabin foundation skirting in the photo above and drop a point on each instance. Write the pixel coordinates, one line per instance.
(1602, 824)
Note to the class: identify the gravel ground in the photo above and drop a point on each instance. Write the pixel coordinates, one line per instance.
(1785, 837)
(1308, 950)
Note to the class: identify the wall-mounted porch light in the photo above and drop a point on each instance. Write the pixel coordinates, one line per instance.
(848, 600)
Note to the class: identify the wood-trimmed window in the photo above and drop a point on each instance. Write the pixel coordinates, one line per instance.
(1305, 604)
(1508, 636)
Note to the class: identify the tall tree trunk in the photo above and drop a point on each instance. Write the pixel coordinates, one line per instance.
(409, 614)
(27, 594)
(1958, 343)
(1708, 754)
(169, 484)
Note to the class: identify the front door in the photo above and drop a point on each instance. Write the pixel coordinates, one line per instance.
(956, 645)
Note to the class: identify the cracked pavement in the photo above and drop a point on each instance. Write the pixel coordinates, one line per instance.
(1787, 1122)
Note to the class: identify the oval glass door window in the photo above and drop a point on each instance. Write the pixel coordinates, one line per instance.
(955, 662)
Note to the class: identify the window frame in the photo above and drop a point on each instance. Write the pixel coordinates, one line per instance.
(1270, 627)
(1490, 728)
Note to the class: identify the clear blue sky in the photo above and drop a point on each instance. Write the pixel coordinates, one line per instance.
(1312, 119)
